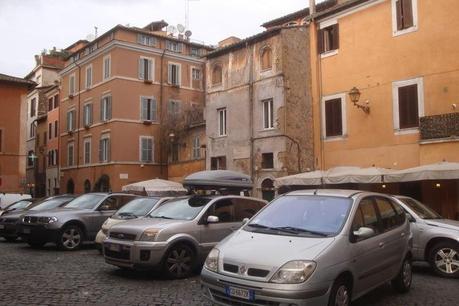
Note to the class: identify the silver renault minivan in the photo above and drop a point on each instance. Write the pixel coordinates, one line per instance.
(313, 247)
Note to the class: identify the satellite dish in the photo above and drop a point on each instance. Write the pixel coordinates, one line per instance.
(181, 28)
(171, 29)
(188, 33)
(90, 37)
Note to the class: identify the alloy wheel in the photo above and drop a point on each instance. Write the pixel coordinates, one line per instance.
(447, 260)
(342, 296)
(407, 273)
(179, 262)
(71, 238)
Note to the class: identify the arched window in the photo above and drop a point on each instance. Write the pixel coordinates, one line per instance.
(266, 58)
(267, 189)
(217, 76)
(87, 186)
(103, 184)
(70, 186)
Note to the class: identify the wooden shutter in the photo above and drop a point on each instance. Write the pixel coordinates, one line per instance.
(399, 10)
(153, 110)
(102, 109)
(144, 113)
(335, 37)
(213, 163)
(223, 163)
(408, 106)
(101, 143)
(109, 107)
(141, 69)
(407, 8)
(333, 118)
(90, 114)
(320, 41)
(150, 67)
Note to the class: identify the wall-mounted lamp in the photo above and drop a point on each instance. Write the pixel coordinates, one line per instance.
(354, 94)
(438, 185)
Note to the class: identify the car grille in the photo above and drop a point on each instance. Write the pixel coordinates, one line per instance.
(230, 268)
(123, 254)
(122, 236)
(8, 220)
(233, 301)
(250, 272)
(30, 220)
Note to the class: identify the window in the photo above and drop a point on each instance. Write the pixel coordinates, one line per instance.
(32, 130)
(88, 76)
(173, 46)
(265, 57)
(366, 216)
(52, 158)
(267, 161)
(56, 128)
(56, 101)
(389, 217)
(146, 40)
(404, 16)
(104, 149)
(72, 85)
(267, 190)
(1, 140)
(87, 114)
(31, 159)
(148, 109)
(224, 210)
(70, 160)
(50, 130)
(195, 52)
(173, 108)
(71, 120)
(174, 157)
(87, 151)
(106, 67)
(333, 116)
(268, 115)
(146, 69)
(408, 103)
(146, 149)
(217, 75)
(328, 38)
(218, 163)
(246, 208)
(196, 148)
(106, 108)
(50, 104)
(174, 74)
(195, 74)
(221, 121)
(33, 107)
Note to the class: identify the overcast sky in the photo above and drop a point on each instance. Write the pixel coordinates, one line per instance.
(29, 26)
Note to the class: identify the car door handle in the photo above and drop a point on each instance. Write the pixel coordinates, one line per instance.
(381, 244)
(402, 234)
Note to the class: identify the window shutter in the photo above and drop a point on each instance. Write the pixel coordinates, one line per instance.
(408, 106)
(101, 109)
(109, 153)
(333, 118)
(109, 107)
(150, 71)
(153, 110)
(141, 69)
(398, 6)
(90, 114)
(169, 74)
(101, 143)
(179, 47)
(68, 121)
(335, 32)
(320, 41)
(139, 38)
(407, 14)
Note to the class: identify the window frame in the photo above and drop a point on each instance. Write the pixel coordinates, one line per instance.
(2, 140)
(106, 106)
(177, 109)
(71, 114)
(213, 73)
(72, 84)
(196, 148)
(104, 158)
(395, 31)
(341, 96)
(222, 130)
(263, 50)
(142, 149)
(268, 105)
(88, 121)
(70, 162)
(321, 39)
(87, 153)
(88, 80)
(153, 109)
(395, 103)
(179, 74)
(104, 67)
(151, 68)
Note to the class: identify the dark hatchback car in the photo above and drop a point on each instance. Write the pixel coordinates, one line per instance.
(9, 221)
(18, 205)
(77, 222)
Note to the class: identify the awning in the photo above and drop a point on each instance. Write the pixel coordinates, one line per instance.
(438, 171)
(313, 178)
(344, 175)
(217, 179)
(156, 187)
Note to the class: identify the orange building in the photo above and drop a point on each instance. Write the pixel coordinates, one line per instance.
(131, 109)
(13, 105)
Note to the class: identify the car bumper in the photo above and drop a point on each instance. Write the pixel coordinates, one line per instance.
(139, 255)
(100, 237)
(8, 230)
(214, 286)
(38, 233)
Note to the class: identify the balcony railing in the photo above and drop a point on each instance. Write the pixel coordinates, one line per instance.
(439, 126)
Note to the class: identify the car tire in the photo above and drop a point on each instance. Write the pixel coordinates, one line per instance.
(340, 294)
(179, 261)
(402, 282)
(444, 259)
(70, 238)
(36, 244)
(11, 239)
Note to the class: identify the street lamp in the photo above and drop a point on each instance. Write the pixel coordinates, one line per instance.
(354, 94)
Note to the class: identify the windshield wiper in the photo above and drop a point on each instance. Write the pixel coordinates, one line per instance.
(297, 230)
(161, 217)
(257, 225)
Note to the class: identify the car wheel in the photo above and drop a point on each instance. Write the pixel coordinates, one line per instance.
(402, 282)
(71, 238)
(179, 261)
(444, 259)
(340, 294)
(36, 244)
(11, 239)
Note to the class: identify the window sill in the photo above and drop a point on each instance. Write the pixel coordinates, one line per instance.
(405, 31)
(335, 138)
(329, 53)
(407, 131)
(221, 136)
(268, 130)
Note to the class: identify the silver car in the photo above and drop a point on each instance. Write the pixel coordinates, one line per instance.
(435, 239)
(178, 235)
(322, 247)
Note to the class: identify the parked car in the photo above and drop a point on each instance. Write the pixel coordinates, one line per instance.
(137, 208)
(9, 222)
(8, 198)
(18, 205)
(435, 239)
(177, 236)
(321, 247)
(70, 226)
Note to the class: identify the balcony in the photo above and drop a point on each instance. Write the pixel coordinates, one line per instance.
(195, 117)
(439, 127)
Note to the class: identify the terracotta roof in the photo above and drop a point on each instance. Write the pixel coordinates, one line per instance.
(339, 8)
(12, 79)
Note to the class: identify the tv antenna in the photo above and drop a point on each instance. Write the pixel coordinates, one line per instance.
(187, 13)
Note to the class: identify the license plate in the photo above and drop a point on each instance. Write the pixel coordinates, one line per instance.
(2, 226)
(26, 231)
(245, 294)
(114, 247)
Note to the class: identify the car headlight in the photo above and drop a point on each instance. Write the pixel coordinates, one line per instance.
(47, 220)
(211, 262)
(149, 234)
(294, 272)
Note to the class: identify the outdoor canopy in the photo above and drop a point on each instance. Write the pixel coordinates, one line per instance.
(156, 187)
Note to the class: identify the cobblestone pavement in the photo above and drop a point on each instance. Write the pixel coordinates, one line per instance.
(51, 277)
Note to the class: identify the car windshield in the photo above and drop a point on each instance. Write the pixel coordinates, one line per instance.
(181, 209)
(86, 201)
(137, 208)
(51, 203)
(19, 205)
(420, 209)
(317, 216)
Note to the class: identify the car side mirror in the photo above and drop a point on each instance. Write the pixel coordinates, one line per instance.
(410, 218)
(104, 207)
(364, 233)
(245, 221)
(213, 219)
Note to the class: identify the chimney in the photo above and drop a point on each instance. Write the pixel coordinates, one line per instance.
(228, 41)
(312, 7)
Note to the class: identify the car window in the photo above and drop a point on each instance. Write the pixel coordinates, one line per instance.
(19, 205)
(420, 209)
(126, 199)
(181, 208)
(50, 204)
(138, 207)
(223, 209)
(389, 218)
(400, 212)
(246, 208)
(85, 201)
(366, 216)
(112, 203)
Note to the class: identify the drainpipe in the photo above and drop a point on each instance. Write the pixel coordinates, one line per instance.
(78, 118)
(251, 98)
(161, 116)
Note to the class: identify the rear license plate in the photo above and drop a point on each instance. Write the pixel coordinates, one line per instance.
(245, 294)
(26, 231)
(2, 226)
(114, 247)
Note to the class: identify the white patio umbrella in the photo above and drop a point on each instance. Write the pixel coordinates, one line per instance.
(343, 175)
(437, 171)
(156, 187)
(313, 178)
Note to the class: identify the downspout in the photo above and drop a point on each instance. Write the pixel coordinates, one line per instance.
(251, 98)
(161, 116)
(78, 118)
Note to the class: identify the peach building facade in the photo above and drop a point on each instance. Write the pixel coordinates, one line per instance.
(126, 99)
